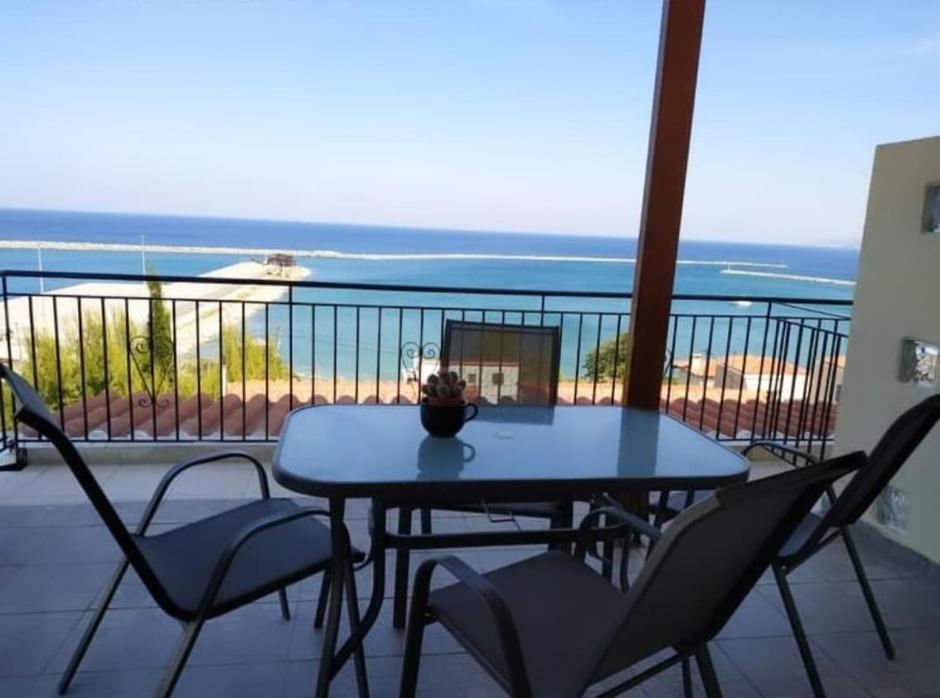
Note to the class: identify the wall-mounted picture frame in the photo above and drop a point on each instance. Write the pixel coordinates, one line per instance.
(932, 208)
(919, 363)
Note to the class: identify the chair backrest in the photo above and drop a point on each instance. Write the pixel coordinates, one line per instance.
(710, 558)
(32, 412)
(887, 457)
(504, 363)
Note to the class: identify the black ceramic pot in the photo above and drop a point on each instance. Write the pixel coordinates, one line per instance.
(446, 420)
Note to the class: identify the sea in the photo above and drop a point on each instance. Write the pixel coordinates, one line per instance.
(370, 254)
(397, 255)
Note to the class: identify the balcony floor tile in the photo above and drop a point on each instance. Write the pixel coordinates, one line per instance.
(55, 558)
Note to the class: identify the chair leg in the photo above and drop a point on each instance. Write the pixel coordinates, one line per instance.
(322, 600)
(607, 546)
(868, 594)
(425, 521)
(607, 552)
(285, 608)
(412, 658)
(402, 562)
(563, 518)
(659, 519)
(705, 667)
(359, 659)
(625, 567)
(687, 689)
(662, 504)
(92, 628)
(179, 659)
(798, 632)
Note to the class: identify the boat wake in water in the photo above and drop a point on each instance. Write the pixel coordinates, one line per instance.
(789, 277)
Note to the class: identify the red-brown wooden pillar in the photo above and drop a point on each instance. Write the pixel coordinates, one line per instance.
(670, 132)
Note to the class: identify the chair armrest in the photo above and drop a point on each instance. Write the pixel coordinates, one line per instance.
(248, 532)
(624, 517)
(176, 470)
(488, 594)
(777, 449)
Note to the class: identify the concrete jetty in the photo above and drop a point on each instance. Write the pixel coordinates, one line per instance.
(60, 308)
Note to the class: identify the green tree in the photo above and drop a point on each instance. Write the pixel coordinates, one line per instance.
(157, 358)
(611, 353)
(254, 356)
(103, 337)
(79, 356)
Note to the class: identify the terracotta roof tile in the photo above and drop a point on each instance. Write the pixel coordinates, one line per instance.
(728, 418)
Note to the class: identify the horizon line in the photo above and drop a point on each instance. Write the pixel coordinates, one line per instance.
(413, 228)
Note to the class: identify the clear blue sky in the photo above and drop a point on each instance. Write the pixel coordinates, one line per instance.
(524, 115)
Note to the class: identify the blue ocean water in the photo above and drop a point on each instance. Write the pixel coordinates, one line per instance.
(815, 262)
(579, 263)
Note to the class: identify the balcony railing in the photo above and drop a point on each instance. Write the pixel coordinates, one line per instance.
(122, 357)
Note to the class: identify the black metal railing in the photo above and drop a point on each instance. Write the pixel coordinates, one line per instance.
(125, 357)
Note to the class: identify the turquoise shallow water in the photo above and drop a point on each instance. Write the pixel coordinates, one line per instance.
(438, 258)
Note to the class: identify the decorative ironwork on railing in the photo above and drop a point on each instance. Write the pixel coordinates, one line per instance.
(413, 359)
(211, 359)
(145, 351)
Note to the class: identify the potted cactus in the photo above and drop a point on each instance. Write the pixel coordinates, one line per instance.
(444, 410)
(444, 388)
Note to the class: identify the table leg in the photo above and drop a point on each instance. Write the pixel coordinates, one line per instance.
(564, 518)
(371, 614)
(402, 565)
(339, 565)
(352, 599)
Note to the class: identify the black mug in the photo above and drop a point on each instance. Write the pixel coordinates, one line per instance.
(446, 420)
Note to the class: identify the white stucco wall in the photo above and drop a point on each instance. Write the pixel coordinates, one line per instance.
(897, 296)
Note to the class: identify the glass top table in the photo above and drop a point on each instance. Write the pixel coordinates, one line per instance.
(382, 450)
(508, 454)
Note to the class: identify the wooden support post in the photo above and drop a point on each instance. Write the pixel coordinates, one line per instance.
(667, 158)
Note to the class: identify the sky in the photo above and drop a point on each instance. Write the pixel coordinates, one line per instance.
(503, 115)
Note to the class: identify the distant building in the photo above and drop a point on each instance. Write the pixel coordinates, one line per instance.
(280, 263)
(694, 371)
(757, 373)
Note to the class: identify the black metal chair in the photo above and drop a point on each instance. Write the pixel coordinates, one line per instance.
(482, 353)
(552, 626)
(204, 569)
(500, 360)
(817, 531)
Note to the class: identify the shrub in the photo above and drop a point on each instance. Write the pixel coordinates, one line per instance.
(602, 360)
(109, 347)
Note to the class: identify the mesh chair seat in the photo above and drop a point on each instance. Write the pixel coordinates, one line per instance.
(185, 558)
(558, 604)
(808, 528)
